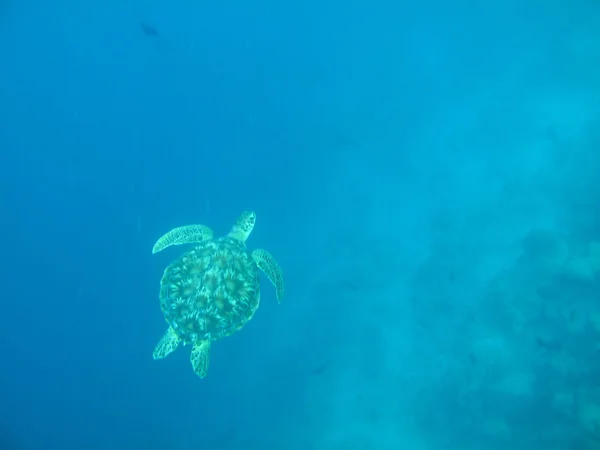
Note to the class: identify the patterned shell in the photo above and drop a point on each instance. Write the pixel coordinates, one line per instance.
(210, 291)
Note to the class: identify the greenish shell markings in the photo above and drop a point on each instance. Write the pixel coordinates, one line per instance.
(212, 290)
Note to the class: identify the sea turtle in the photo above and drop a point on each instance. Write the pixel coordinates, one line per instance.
(212, 290)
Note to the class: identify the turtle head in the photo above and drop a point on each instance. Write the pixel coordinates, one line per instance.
(243, 226)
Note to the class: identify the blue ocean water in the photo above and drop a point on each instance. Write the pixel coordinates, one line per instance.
(426, 174)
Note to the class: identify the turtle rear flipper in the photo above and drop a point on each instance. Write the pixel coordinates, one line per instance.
(265, 261)
(200, 356)
(167, 344)
(189, 234)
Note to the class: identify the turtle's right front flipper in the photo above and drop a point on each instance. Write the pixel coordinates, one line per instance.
(189, 234)
(167, 344)
(265, 262)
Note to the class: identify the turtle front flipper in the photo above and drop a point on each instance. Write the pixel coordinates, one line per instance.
(265, 261)
(200, 356)
(189, 234)
(167, 344)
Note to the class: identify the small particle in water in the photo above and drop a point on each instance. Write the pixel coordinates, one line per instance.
(472, 359)
(149, 30)
(320, 369)
(549, 345)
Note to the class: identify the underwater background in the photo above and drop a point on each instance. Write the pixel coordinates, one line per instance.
(426, 174)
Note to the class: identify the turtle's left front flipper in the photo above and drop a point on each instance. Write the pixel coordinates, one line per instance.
(265, 261)
(189, 234)
(200, 357)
